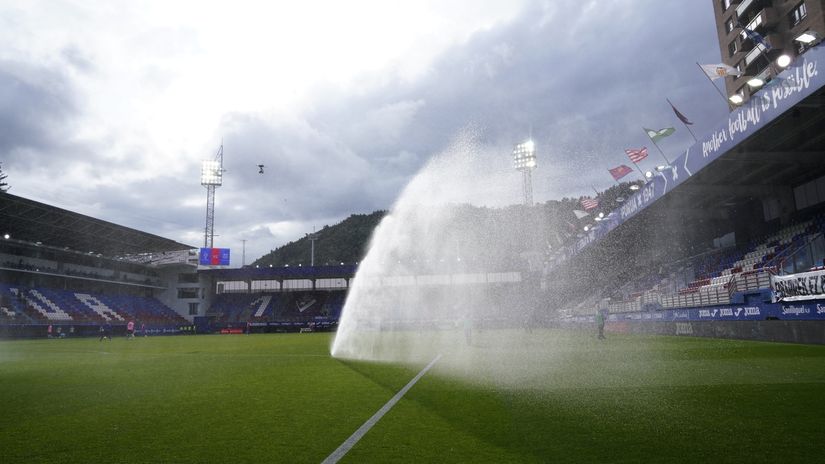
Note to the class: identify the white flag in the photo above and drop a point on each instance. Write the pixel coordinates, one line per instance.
(715, 71)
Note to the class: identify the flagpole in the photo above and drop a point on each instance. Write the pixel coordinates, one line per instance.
(727, 102)
(657, 146)
(683, 123)
(640, 170)
(594, 189)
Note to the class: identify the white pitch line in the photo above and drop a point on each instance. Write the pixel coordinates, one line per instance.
(353, 439)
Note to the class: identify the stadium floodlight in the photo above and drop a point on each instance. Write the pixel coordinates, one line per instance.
(586, 228)
(524, 160)
(211, 178)
(662, 168)
(601, 216)
(211, 173)
(6, 236)
(783, 61)
(807, 37)
(755, 82)
(736, 99)
(648, 174)
(634, 187)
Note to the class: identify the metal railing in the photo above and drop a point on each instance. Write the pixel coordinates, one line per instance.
(777, 263)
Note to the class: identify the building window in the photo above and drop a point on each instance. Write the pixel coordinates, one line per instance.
(188, 278)
(732, 48)
(187, 292)
(729, 25)
(193, 309)
(798, 13)
(725, 5)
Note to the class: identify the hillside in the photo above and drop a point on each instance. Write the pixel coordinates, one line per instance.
(343, 242)
(509, 231)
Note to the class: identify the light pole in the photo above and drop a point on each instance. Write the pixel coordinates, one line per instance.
(211, 178)
(312, 238)
(524, 160)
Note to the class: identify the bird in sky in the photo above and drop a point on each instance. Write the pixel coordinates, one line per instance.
(260, 169)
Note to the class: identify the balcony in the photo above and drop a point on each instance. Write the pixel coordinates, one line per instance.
(754, 54)
(743, 8)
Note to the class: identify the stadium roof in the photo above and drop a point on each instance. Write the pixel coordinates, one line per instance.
(32, 221)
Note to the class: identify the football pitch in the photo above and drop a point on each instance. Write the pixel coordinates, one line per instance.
(556, 397)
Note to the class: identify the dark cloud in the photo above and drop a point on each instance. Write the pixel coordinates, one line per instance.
(582, 78)
(582, 83)
(36, 103)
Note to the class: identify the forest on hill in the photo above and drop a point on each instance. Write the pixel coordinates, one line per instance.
(511, 231)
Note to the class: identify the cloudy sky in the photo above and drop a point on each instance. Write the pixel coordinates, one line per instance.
(107, 108)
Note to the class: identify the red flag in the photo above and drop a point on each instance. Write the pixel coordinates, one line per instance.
(589, 203)
(679, 115)
(619, 172)
(636, 155)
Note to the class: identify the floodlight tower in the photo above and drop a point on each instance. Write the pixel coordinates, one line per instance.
(524, 159)
(211, 178)
(312, 238)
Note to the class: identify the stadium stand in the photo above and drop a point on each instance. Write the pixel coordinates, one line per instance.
(298, 306)
(720, 274)
(60, 268)
(42, 305)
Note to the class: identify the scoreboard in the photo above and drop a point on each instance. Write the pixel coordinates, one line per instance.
(214, 257)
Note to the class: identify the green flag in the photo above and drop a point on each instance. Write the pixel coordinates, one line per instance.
(657, 135)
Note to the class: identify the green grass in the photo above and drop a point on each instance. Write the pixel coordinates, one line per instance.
(554, 396)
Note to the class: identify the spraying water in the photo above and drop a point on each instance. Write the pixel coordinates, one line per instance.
(446, 273)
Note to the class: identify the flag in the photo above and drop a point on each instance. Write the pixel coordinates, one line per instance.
(679, 115)
(636, 155)
(715, 71)
(656, 135)
(755, 36)
(589, 203)
(619, 172)
(580, 214)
